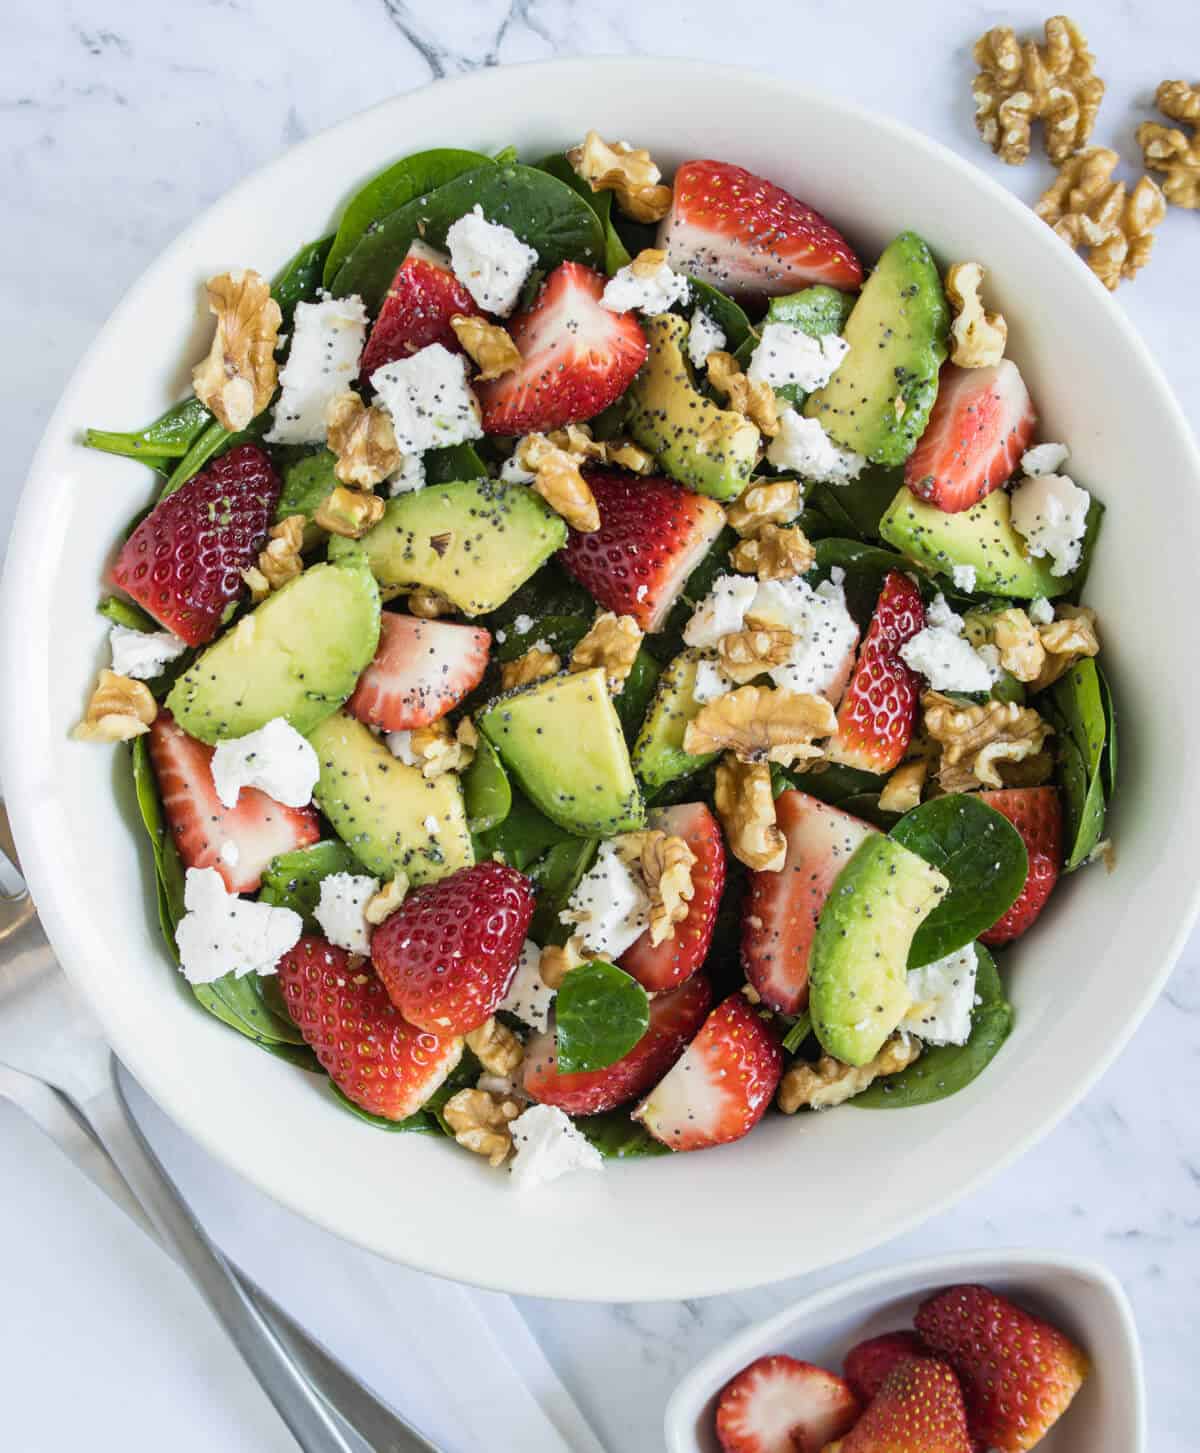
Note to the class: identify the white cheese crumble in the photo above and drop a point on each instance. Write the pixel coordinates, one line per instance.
(342, 910)
(400, 746)
(964, 578)
(528, 997)
(143, 654)
(326, 346)
(653, 291)
(943, 995)
(408, 476)
(1050, 512)
(722, 611)
(704, 337)
(710, 683)
(787, 355)
(1041, 612)
(276, 759)
(804, 446)
(429, 399)
(223, 934)
(490, 261)
(609, 906)
(1044, 459)
(523, 624)
(826, 633)
(547, 1146)
(943, 655)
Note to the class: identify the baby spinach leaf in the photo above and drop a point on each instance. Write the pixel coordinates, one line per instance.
(454, 462)
(555, 876)
(617, 1137)
(836, 783)
(944, 1069)
(168, 437)
(549, 592)
(307, 484)
(726, 314)
(615, 254)
(1076, 706)
(601, 1012)
(524, 836)
(168, 869)
(866, 567)
(125, 613)
(1110, 746)
(1091, 534)
(419, 1123)
(634, 700)
(486, 790)
(817, 310)
(299, 280)
(866, 805)
(214, 440)
(1083, 796)
(1078, 699)
(800, 1029)
(982, 855)
(293, 880)
(863, 501)
(562, 633)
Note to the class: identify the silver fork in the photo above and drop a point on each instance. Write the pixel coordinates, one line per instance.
(55, 1065)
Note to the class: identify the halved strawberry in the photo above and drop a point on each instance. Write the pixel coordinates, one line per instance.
(577, 357)
(652, 535)
(781, 909)
(421, 670)
(868, 1364)
(875, 719)
(662, 966)
(421, 301)
(919, 1409)
(238, 841)
(782, 1405)
(1036, 813)
(749, 237)
(370, 1051)
(981, 424)
(721, 1087)
(184, 562)
(674, 1018)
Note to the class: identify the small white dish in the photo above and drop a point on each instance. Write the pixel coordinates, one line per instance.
(1108, 1414)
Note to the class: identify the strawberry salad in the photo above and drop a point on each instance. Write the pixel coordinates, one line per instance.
(604, 661)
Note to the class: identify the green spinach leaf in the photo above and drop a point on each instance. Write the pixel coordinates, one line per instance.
(1110, 746)
(299, 280)
(836, 783)
(617, 1137)
(1077, 697)
(168, 437)
(615, 254)
(863, 501)
(125, 613)
(293, 880)
(454, 462)
(555, 876)
(729, 316)
(601, 1012)
(800, 1029)
(524, 836)
(562, 633)
(866, 567)
(634, 700)
(486, 790)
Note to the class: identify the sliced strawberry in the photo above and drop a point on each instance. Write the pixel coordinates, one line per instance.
(421, 670)
(652, 535)
(578, 357)
(1036, 813)
(371, 1053)
(919, 1409)
(721, 1087)
(1018, 1372)
(781, 909)
(868, 1364)
(749, 237)
(184, 562)
(421, 301)
(662, 966)
(674, 1018)
(781, 1405)
(238, 841)
(981, 424)
(875, 719)
(448, 954)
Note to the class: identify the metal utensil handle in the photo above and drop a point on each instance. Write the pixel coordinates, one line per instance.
(16, 904)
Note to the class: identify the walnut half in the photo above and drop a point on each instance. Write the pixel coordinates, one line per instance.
(120, 709)
(363, 440)
(977, 337)
(975, 740)
(754, 400)
(627, 172)
(280, 561)
(746, 806)
(496, 1047)
(1171, 151)
(774, 553)
(664, 863)
(1087, 208)
(480, 1123)
(613, 642)
(759, 724)
(238, 377)
(830, 1082)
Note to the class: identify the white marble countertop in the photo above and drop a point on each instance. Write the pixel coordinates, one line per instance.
(122, 119)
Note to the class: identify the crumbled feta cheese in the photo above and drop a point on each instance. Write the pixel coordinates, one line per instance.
(408, 476)
(512, 471)
(648, 291)
(609, 906)
(223, 934)
(710, 683)
(943, 995)
(342, 910)
(1044, 459)
(704, 337)
(400, 746)
(826, 633)
(429, 399)
(943, 655)
(787, 355)
(431, 825)
(964, 578)
(941, 613)
(523, 624)
(722, 611)
(1040, 612)
(528, 996)
(326, 346)
(231, 854)
(548, 1146)
(1050, 512)
(276, 759)
(803, 445)
(143, 654)
(490, 261)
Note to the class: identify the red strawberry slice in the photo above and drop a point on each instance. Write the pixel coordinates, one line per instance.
(674, 1018)
(421, 301)
(780, 915)
(652, 535)
(1036, 813)
(448, 954)
(238, 841)
(868, 1365)
(1018, 1372)
(184, 562)
(578, 358)
(749, 237)
(875, 719)
(781, 1405)
(981, 424)
(421, 669)
(919, 1409)
(662, 966)
(371, 1053)
(721, 1087)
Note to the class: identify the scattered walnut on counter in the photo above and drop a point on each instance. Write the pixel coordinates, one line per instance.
(625, 171)
(363, 440)
(664, 863)
(977, 337)
(279, 561)
(829, 1082)
(533, 666)
(613, 642)
(480, 1123)
(1087, 208)
(490, 347)
(238, 377)
(120, 709)
(496, 1047)
(349, 512)
(774, 553)
(902, 790)
(759, 724)
(977, 740)
(746, 806)
(383, 903)
(1171, 151)
(1066, 640)
(754, 400)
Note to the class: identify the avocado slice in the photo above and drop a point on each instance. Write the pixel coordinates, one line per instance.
(393, 819)
(474, 540)
(858, 967)
(658, 755)
(879, 400)
(562, 740)
(982, 536)
(298, 655)
(709, 449)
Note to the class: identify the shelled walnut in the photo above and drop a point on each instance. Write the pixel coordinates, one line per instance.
(627, 172)
(1087, 208)
(1171, 151)
(238, 377)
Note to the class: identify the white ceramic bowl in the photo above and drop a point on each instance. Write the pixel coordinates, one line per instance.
(819, 1189)
(1108, 1414)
